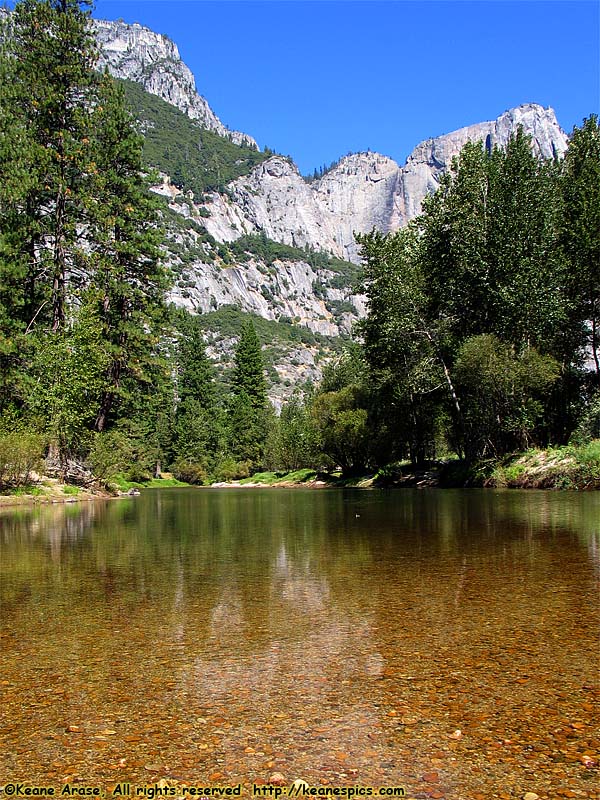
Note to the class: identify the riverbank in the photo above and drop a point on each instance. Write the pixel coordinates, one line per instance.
(47, 490)
(569, 467)
(43, 490)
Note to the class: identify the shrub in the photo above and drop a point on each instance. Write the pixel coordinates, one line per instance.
(111, 453)
(21, 453)
(588, 427)
(230, 470)
(190, 472)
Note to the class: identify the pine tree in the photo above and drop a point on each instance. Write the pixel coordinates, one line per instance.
(126, 274)
(79, 227)
(198, 427)
(249, 406)
(52, 53)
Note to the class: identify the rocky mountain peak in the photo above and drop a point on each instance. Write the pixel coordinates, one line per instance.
(364, 190)
(152, 60)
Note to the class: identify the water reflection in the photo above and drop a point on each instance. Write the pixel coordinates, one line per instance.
(337, 636)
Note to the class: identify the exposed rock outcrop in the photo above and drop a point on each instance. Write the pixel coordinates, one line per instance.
(364, 191)
(153, 61)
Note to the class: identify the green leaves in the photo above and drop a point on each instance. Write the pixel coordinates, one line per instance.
(502, 393)
(580, 230)
(249, 407)
(477, 309)
(65, 378)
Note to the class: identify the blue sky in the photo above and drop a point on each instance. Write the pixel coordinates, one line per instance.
(318, 79)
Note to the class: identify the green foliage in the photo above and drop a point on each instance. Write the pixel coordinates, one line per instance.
(248, 374)
(344, 435)
(65, 379)
(110, 453)
(199, 430)
(230, 470)
(404, 345)
(128, 282)
(79, 258)
(228, 321)
(293, 441)
(21, 453)
(48, 58)
(571, 467)
(195, 158)
(249, 409)
(190, 472)
(489, 248)
(580, 230)
(501, 394)
(274, 478)
(588, 426)
(475, 326)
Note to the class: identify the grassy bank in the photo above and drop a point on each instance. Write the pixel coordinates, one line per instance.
(121, 484)
(48, 490)
(569, 467)
(44, 490)
(575, 467)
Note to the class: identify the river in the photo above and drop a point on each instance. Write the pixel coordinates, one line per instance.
(443, 641)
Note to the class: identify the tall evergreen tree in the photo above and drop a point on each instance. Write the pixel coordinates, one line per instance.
(249, 406)
(198, 427)
(127, 277)
(52, 54)
(79, 228)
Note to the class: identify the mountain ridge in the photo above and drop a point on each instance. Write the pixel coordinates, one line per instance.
(363, 190)
(272, 200)
(153, 60)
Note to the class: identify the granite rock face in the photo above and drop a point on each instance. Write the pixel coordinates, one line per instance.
(429, 160)
(153, 61)
(363, 191)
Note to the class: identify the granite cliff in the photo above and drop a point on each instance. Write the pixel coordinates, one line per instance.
(271, 200)
(362, 191)
(153, 61)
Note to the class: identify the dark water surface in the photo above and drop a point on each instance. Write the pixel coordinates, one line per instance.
(444, 641)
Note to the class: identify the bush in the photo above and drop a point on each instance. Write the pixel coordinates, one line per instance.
(190, 472)
(230, 470)
(111, 453)
(21, 453)
(589, 423)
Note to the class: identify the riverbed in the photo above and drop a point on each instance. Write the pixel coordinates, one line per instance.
(444, 641)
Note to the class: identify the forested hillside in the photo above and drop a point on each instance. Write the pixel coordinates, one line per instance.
(196, 159)
(481, 336)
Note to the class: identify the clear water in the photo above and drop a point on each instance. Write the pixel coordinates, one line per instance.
(443, 641)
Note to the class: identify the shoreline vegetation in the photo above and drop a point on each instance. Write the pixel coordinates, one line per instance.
(480, 337)
(573, 467)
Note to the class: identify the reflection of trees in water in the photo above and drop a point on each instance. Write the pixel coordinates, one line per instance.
(284, 673)
(226, 559)
(289, 608)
